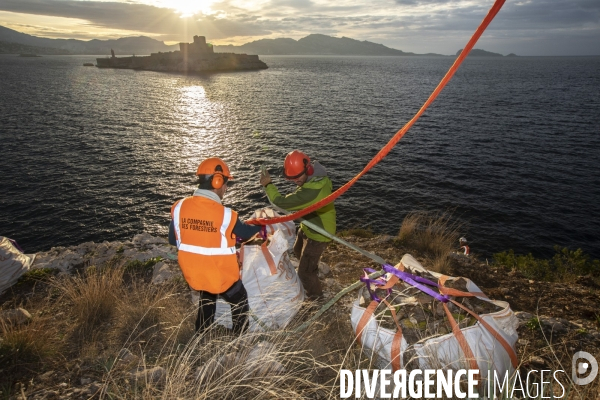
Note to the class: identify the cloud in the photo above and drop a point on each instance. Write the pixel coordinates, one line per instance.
(295, 4)
(403, 24)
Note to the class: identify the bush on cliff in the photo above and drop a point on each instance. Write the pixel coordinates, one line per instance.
(565, 266)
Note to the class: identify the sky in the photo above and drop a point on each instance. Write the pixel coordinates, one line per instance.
(528, 28)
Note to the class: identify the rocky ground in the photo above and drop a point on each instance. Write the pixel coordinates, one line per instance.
(556, 319)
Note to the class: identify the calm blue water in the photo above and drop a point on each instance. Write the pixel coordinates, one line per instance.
(511, 146)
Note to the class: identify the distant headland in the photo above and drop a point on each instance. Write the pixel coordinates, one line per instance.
(484, 53)
(317, 45)
(198, 56)
(13, 42)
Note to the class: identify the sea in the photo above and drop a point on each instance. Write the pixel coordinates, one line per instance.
(510, 149)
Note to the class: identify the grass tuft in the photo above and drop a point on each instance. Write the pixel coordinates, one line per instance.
(92, 297)
(433, 234)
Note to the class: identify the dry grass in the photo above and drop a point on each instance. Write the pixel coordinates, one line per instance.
(148, 314)
(252, 366)
(433, 234)
(218, 364)
(92, 298)
(21, 344)
(107, 312)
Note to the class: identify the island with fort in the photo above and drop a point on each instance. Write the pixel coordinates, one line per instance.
(198, 56)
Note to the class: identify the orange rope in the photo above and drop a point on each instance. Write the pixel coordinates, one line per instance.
(388, 147)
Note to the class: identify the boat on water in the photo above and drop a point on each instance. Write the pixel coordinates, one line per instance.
(198, 56)
(88, 64)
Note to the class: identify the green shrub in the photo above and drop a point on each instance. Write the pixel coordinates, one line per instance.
(574, 263)
(36, 275)
(533, 324)
(366, 233)
(565, 265)
(141, 266)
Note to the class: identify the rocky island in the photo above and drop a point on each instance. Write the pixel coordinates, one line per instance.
(198, 56)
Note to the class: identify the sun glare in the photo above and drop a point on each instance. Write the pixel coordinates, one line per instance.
(187, 8)
(191, 7)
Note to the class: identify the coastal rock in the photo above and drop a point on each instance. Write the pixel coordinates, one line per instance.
(104, 252)
(164, 272)
(149, 375)
(523, 316)
(538, 362)
(324, 269)
(61, 258)
(17, 316)
(145, 239)
(553, 325)
(261, 360)
(126, 357)
(341, 265)
(46, 376)
(141, 248)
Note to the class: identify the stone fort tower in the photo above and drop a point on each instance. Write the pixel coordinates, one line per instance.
(198, 48)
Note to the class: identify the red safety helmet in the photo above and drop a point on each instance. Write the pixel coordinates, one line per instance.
(296, 164)
(216, 169)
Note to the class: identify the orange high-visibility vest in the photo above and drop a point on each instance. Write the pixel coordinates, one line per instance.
(206, 244)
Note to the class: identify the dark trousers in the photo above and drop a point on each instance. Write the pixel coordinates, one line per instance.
(309, 252)
(237, 298)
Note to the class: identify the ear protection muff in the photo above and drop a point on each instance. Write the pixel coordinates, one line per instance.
(217, 181)
(308, 168)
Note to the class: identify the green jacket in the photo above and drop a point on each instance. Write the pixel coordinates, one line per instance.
(317, 187)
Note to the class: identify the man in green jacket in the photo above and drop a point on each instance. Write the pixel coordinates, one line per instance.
(313, 185)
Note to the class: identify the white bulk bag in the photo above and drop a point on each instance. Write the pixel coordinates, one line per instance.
(13, 263)
(275, 292)
(493, 347)
(287, 228)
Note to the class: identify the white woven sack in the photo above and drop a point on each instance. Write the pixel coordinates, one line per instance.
(13, 264)
(444, 351)
(287, 228)
(275, 292)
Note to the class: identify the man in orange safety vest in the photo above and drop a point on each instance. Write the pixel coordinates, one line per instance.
(205, 234)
